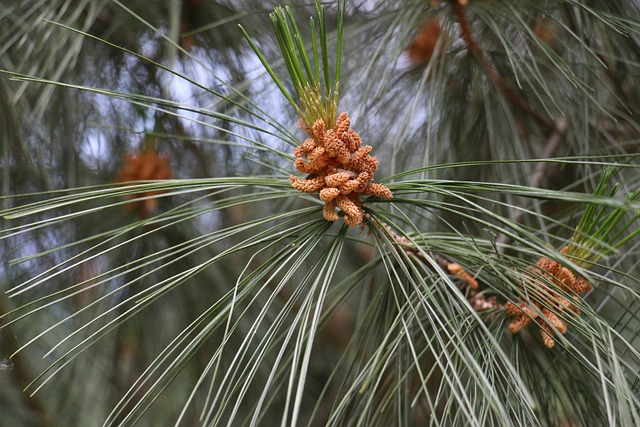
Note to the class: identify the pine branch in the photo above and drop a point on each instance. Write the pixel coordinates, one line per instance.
(468, 285)
(539, 173)
(500, 83)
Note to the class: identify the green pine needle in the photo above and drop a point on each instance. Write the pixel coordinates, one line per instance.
(317, 97)
(599, 232)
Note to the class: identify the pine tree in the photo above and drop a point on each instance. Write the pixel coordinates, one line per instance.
(349, 213)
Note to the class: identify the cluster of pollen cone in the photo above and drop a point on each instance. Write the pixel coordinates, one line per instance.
(339, 167)
(549, 299)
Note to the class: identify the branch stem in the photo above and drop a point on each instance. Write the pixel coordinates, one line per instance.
(501, 84)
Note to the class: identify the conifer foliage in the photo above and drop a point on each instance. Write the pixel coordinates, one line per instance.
(192, 233)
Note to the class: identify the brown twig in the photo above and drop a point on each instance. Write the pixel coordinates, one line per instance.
(549, 151)
(468, 285)
(556, 128)
(503, 86)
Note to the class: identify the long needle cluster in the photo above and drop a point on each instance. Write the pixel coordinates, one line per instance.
(338, 167)
(548, 282)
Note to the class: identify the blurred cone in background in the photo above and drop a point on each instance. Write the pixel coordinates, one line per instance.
(147, 165)
(424, 44)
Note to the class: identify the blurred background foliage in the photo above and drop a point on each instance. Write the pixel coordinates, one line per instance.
(452, 92)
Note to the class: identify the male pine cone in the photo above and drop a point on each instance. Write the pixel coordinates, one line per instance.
(339, 167)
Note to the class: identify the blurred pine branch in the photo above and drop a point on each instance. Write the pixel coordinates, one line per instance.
(158, 267)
